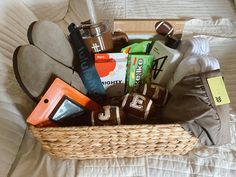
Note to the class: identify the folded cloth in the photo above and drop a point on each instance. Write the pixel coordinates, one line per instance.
(193, 64)
(192, 105)
(195, 61)
(195, 46)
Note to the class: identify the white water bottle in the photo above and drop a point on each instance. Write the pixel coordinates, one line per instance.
(166, 60)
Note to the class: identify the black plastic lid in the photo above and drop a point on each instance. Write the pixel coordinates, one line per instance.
(172, 42)
(71, 27)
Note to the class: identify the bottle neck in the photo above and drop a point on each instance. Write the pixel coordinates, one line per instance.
(172, 42)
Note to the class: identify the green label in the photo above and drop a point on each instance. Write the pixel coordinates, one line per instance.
(139, 71)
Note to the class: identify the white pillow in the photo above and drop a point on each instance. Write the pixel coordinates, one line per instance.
(32, 161)
(15, 18)
(13, 110)
(12, 130)
(14, 107)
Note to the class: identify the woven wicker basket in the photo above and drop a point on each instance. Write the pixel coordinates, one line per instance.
(114, 141)
(118, 141)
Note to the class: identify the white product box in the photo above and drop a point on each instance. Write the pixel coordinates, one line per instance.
(111, 68)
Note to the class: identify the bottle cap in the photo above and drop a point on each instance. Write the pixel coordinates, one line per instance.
(71, 27)
(172, 42)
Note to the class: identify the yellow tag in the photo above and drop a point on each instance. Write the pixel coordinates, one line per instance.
(218, 90)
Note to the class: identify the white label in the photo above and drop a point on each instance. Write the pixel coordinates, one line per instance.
(106, 115)
(164, 63)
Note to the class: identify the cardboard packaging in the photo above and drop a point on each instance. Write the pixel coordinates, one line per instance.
(111, 68)
(144, 26)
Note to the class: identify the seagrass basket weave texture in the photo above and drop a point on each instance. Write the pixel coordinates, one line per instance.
(114, 141)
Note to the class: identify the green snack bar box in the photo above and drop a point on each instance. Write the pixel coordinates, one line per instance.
(138, 71)
(137, 48)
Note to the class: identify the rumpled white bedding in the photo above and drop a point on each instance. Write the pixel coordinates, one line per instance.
(21, 155)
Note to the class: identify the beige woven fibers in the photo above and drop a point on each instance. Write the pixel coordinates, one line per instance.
(114, 141)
